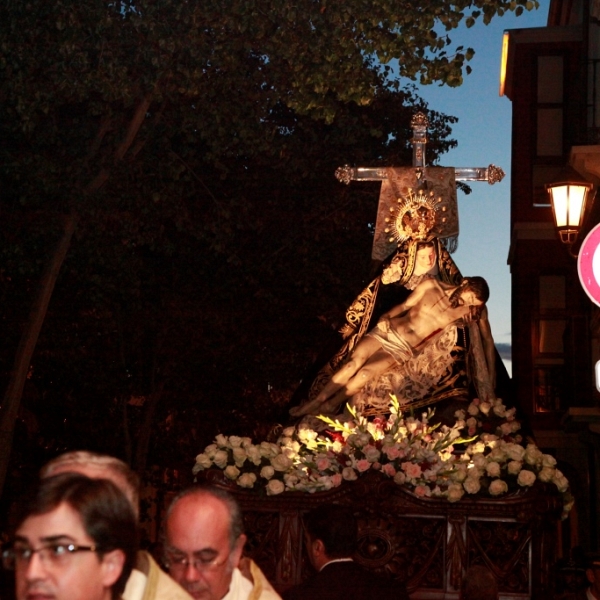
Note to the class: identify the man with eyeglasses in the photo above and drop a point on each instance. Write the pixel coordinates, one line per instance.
(204, 541)
(75, 539)
(147, 580)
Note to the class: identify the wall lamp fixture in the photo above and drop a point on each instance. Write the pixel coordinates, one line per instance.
(568, 196)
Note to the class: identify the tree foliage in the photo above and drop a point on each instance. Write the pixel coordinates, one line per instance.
(193, 144)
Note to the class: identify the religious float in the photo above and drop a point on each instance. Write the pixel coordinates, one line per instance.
(435, 465)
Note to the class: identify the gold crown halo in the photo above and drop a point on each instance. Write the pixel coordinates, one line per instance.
(415, 217)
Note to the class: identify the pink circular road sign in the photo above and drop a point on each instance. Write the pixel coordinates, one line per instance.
(588, 264)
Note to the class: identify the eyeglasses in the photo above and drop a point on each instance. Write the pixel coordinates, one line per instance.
(52, 555)
(179, 562)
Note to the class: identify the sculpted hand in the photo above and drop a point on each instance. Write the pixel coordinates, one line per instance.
(472, 315)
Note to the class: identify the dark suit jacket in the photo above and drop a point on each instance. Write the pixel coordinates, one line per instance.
(346, 581)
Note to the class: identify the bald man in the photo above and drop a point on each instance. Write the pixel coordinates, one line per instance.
(204, 541)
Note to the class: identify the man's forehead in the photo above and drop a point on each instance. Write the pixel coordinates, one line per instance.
(62, 522)
(200, 521)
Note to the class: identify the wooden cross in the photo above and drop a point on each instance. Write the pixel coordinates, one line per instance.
(419, 123)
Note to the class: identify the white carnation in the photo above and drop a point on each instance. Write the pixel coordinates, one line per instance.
(371, 453)
(493, 469)
(498, 487)
(254, 455)
(220, 458)
(514, 467)
(275, 487)
(267, 472)
(514, 451)
(471, 485)
(533, 455)
(499, 409)
(281, 462)
(268, 450)
(349, 474)
(526, 478)
(560, 481)
(203, 461)
(290, 479)
(221, 441)
(239, 456)
(210, 450)
(459, 474)
(247, 480)
(455, 492)
(479, 460)
(399, 478)
(472, 409)
(546, 474)
(232, 472)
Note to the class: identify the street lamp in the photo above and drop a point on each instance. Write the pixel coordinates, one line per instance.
(568, 196)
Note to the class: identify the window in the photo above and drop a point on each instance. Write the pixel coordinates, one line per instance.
(549, 331)
(550, 99)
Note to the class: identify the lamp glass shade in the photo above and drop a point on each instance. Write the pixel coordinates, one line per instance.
(568, 206)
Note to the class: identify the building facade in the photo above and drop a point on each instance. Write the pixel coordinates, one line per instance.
(552, 77)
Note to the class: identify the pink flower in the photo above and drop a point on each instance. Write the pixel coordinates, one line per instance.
(363, 465)
(336, 479)
(421, 491)
(411, 469)
(392, 452)
(371, 453)
(379, 422)
(323, 464)
(389, 470)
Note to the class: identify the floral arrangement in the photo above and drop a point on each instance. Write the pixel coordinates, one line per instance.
(493, 458)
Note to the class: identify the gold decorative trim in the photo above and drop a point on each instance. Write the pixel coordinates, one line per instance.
(345, 174)
(495, 174)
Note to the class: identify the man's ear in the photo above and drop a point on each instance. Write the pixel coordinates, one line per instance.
(318, 547)
(590, 575)
(236, 553)
(112, 567)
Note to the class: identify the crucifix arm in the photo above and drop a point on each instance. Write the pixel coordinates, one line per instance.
(491, 174)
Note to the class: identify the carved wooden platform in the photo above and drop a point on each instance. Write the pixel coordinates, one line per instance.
(427, 543)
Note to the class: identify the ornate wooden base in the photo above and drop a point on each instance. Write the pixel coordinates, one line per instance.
(427, 543)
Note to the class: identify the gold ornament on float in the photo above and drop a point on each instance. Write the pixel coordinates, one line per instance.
(414, 217)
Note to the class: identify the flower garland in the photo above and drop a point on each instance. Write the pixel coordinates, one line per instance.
(407, 449)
